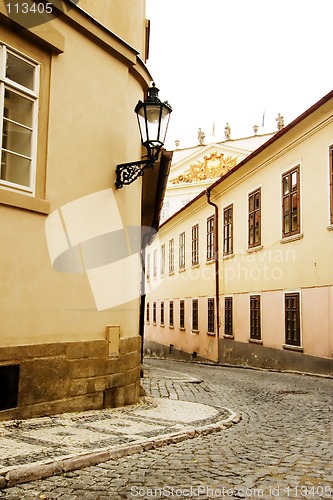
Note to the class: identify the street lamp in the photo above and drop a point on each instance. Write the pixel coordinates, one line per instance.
(153, 119)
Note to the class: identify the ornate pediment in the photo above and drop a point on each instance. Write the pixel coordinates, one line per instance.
(213, 166)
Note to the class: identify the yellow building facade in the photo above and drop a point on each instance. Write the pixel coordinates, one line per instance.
(69, 82)
(243, 274)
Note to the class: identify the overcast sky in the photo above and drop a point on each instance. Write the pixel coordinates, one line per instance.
(219, 61)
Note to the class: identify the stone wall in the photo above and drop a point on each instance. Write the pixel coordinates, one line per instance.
(249, 356)
(67, 377)
(259, 356)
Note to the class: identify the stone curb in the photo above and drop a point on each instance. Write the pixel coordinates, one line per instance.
(48, 468)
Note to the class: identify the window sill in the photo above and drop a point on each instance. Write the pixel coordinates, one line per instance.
(195, 332)
(171, 273)
(254, 249)
(255, 341)
(195, 266)
(294, 237)
(228, 256)
(162, 325)
(210, 261)
(182, 270)
(25, 202)
(295, 348)
(182, 329)
(211, 334)
(231, 337)
(330, 227)
(171, 327)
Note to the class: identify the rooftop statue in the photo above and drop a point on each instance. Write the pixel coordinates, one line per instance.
(279, 121)
(201, 137)
(227, 131)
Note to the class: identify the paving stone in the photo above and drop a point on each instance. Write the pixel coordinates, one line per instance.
(283, 441)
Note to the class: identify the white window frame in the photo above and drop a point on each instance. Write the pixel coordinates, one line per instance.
(171, 256)
(155, 264)
(163, 253)
(181, 248)
(33, 95)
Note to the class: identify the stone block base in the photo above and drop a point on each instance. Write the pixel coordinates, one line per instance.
(68, 377)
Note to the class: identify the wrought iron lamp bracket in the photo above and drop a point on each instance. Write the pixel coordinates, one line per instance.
(128, 172)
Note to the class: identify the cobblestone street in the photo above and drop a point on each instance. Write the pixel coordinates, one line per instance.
(282, 448)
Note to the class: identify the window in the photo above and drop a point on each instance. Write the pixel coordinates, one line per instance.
(211, 311)
(290, 203)
(162, 313)
(165, 210)
(255, 330)
(147, 312)
(162, 260)
(148, 267)
(195, 245)
(171, 313)
(9, 384)
(195, 315)
(182, 314)
(228, 316)
(155, 264)
(210, 238)
(228, 230)
(171, 256)
(254, 218)
(154, 313)
(292, 319)
(19, 91)
(182, 251)
(331, 183)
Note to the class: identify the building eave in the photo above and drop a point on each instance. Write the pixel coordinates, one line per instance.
(154, 183)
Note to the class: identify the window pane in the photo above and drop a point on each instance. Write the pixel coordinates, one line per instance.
(251, 203)
(251, 229)
(286, 224)
(18, 108)
(294, 217)
(15, 169)
(286, 185)
(294, 181)
(20, 71)
(257, 201)
(16, 138)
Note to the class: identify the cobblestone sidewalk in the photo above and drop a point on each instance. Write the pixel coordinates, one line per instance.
(41, 447)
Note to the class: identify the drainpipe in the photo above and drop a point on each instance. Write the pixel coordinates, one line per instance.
(217, 276)
(145, 238)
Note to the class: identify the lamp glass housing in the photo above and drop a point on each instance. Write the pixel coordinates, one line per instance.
(153, 119)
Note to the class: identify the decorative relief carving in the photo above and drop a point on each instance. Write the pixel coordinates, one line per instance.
(213, 166)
